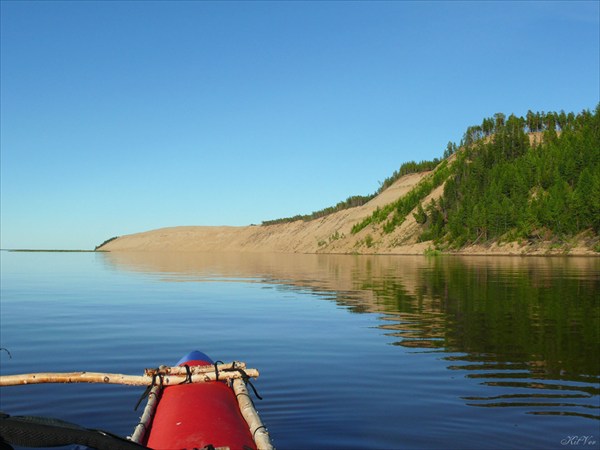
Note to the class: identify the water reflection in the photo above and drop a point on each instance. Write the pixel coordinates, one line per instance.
(528, 327)
(525, 329)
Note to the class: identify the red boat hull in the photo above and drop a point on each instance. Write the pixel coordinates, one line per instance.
(197, 415)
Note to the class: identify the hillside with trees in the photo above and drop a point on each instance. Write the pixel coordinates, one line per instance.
(359, 200)
(514, 185)
(506, 186)
(534, 178)
(526, 179)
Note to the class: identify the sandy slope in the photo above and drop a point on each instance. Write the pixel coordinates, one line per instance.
(330, 234)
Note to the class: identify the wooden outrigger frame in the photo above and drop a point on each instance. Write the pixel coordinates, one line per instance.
(234, 373)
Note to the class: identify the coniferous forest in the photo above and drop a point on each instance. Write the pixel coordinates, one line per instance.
(527, 179)
(535, 178)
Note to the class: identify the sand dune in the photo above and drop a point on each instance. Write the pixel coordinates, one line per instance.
(330, 234)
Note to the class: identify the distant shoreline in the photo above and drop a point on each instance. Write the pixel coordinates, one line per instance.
(32, 250)
(480, 254)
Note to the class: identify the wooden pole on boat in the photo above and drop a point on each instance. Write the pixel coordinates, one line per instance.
(181, 370)
(139, 433)
(257, 429)
(116, 378)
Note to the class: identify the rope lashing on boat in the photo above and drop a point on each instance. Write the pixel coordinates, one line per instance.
(142, 425)
(241, 371)
(257, 429)
(245, 379)
(144, 395)
(29, 431)
(147, 416)
(216, 365)
(188, 375)
(212, 447)
(146, 392)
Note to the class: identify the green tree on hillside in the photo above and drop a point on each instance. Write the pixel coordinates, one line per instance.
(503, 187)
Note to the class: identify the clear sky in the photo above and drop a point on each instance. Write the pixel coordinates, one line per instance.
(120, 117)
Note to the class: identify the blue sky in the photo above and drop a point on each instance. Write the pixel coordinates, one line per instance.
(120, 117)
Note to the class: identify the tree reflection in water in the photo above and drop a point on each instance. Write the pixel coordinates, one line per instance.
(528, 331)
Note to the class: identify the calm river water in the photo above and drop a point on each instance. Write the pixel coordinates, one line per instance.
(355, 352)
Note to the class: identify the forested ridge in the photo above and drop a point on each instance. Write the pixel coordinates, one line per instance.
(505, 186)
(530, 180)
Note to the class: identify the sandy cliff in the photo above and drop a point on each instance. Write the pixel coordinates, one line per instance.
(330, 234)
